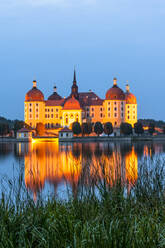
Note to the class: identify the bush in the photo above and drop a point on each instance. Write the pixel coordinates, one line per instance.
(40, 129)
(108, 128)
(151, 128)
(76, 128)
(138, 128)
(98, 128)
(125, 128)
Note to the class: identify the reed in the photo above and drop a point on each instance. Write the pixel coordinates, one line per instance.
(108, 211)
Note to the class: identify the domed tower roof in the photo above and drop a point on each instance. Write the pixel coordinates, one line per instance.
(129, 97)
(72, 103)
(55, 95)
(34, 94)
(115, 93)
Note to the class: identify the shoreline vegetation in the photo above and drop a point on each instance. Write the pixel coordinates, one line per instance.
(107, 212)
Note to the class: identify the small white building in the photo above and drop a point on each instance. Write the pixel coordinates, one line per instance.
(24, 134)
(65, 134)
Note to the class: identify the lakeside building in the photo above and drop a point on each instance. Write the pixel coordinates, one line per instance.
(117, 107)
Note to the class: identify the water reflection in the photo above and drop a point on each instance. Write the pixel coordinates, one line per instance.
(80, 164)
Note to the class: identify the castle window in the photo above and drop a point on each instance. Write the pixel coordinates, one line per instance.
(92, 109)
(101, 115)
(92, 115)
(101, 109)
(115, 115)
(121, 103)
(121, 114)
(128, 112)
(52, 125)
(121, 108)
(36, 110)
(36, 116)
(128, 106)
(66, 120)
(115, 109)
(45, 116)
(48, 116)
(52, 110)
(36, 104)
(128, 117)
(45, 110)
(109, 115)
(115, 103)
(30, 124)
(30, 116)
(115, 123)
(48, 110)
(56, 110)
(109, 109)
(30, 104)
(56, 115)
(51, 115)
(30, 110)
(87, 109)
(109, 103)
(134, 117)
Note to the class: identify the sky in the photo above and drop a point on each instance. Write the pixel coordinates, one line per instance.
(45, 39)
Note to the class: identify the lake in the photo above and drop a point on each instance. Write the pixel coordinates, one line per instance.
(54, 169)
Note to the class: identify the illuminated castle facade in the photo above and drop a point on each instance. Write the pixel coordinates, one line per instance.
(117, 107)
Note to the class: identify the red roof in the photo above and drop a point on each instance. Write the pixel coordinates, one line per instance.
(72, 103)
(130, 98)
(89, 99)
(115, 93)
(34, 95)
(54, 102)
(65, 129)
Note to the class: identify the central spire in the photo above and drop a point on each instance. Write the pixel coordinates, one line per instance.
(74, 88)
(74, 77)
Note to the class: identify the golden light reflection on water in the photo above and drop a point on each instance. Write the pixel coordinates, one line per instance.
(77, 164)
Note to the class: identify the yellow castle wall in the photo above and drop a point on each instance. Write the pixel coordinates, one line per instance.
(34, 112)
(131, 114)
(114, 112)
(70, 116)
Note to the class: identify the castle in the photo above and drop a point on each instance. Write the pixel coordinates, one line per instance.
(117, 107)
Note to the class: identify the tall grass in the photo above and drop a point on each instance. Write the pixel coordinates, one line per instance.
(106, 211)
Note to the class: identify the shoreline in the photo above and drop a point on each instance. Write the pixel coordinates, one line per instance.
(87, 139)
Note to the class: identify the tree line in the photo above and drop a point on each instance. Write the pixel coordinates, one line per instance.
(98, 128)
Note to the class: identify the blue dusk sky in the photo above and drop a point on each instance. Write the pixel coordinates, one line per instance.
(45, 39)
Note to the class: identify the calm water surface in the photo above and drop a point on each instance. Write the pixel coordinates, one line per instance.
(56, 169)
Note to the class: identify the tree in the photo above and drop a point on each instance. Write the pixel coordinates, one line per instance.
(18, 125)
(84, 128)
(125, 128)
(89, 128)
(151, 128)
(164, 130)
(76, 128)
(98, 128)
(4, 129)
(40, 129)
(108, 128)
(138, 128)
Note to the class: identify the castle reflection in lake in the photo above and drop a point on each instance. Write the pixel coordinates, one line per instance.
(58, 165)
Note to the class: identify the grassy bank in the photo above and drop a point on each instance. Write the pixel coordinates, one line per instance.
(104, 214)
